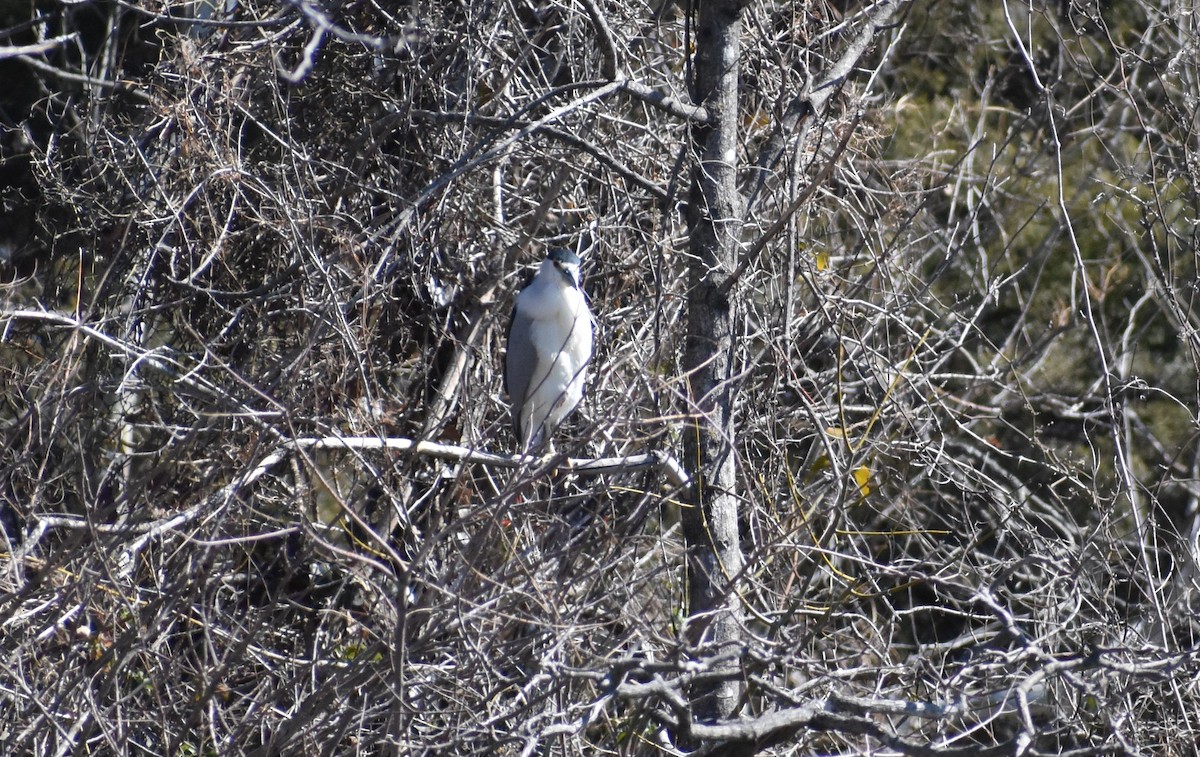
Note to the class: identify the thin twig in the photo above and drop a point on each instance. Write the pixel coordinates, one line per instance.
(16, 51)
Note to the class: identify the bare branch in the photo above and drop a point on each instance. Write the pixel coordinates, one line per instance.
(675, 475)
(696, 114)
(615, 71)
(15, 51)
(562, 135)
(810, 105)
(785, 216)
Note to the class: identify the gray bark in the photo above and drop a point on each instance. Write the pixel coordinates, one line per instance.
(715, 220)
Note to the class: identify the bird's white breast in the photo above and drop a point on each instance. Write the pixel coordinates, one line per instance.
(562, 326)
(561, 335)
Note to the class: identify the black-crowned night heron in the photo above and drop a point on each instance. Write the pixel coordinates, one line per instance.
(549, 346)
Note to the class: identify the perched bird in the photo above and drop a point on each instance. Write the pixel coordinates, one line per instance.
(549, 346)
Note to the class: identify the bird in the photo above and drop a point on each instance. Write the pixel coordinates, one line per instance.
(549, 348)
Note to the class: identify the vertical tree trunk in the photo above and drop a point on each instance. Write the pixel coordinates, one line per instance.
(715, 221)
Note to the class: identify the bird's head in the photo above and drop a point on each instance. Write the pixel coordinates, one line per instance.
(565, 263)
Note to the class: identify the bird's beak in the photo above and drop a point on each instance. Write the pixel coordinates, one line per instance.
(569, 271)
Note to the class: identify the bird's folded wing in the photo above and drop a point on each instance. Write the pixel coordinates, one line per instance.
(521, 362)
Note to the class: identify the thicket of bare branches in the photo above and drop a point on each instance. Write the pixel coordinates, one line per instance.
(257, 264)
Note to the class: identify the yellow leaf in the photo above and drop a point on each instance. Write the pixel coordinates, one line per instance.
(819, 465)
(822, 260)
(862, 477)
(836, 433)
(759, 119)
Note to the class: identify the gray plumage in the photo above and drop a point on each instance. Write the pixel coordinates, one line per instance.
(549, 346)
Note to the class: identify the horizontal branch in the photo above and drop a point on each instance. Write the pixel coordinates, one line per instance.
(672, 471)
(671, 468)
(821, 715)
(124, 87)
(15, 51)
(667, 103)
(836, 714)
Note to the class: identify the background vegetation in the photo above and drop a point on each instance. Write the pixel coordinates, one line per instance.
(243, 243)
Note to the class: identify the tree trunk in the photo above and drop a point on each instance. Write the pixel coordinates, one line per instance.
(715, 222)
